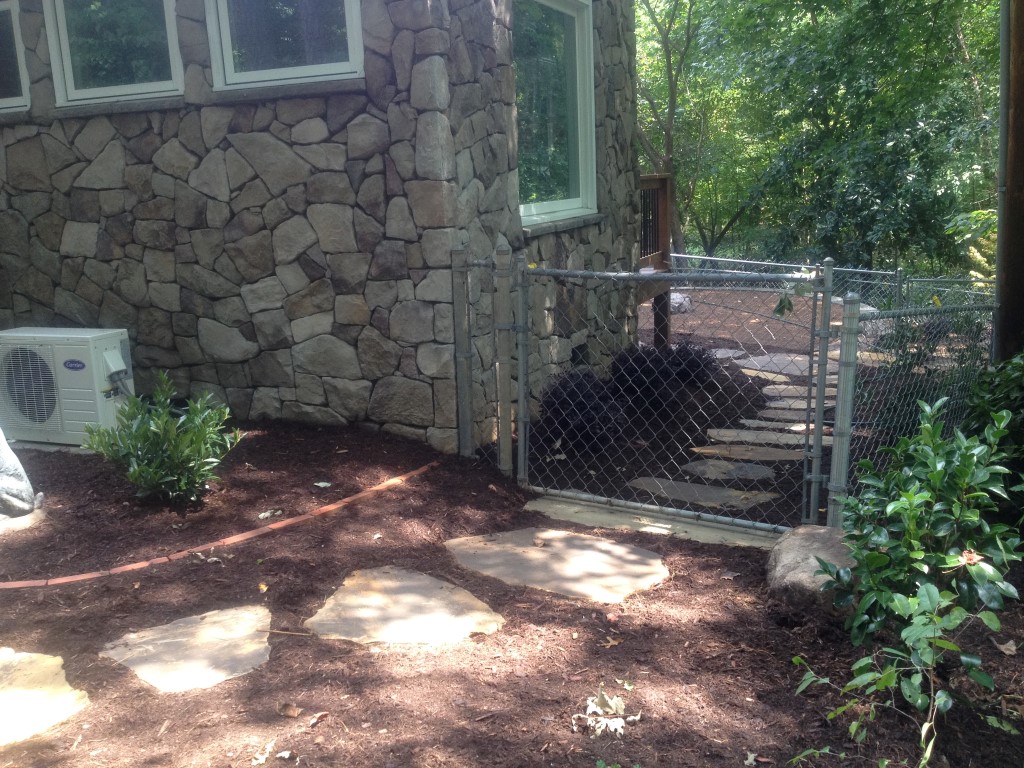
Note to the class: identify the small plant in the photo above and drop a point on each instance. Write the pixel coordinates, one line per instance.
(927, 563)
(163, 450)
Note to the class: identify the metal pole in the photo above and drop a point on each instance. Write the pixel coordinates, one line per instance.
(523, 413)
(503, 325)
(820, 383)
(839, 480)
(463, 352)
(899, 288)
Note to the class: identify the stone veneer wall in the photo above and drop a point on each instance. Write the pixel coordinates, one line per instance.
(292, 253)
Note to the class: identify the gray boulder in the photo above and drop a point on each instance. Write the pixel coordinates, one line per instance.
(792, 566)
(16, 496)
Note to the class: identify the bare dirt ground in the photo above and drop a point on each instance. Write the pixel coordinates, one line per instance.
(704, 656)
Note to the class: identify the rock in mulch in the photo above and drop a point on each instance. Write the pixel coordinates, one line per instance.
(792, 566)
(34, 695)
(396, 605)
(571, 564)
(197, 651)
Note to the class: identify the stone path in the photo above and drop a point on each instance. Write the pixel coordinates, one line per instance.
(381, 605)
(749, 452)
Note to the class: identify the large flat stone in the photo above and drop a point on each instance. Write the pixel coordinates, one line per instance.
(793, 402)
(792, 570)
(713, 496)
(775, 378)
(787, 363)
(798, 427)
(761, 437)
(718, 469)
(197, 651)
(603, 516)
(571, 564)
(749, 452)
(34, 695)
(784, 414)
(793, 390)
(396, 605)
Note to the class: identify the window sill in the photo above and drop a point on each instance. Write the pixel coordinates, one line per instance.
(232, 94)
(564, 221)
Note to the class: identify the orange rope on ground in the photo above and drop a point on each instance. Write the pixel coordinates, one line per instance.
(237, 538)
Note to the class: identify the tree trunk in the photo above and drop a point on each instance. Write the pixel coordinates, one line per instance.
(1009, 320)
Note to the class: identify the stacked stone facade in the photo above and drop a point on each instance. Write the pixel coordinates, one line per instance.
(290, 248)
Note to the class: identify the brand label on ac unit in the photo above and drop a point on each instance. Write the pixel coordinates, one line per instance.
(74, 365)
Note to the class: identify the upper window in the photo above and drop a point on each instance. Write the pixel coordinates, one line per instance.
(13, 77)
(554, 73)
(105, 50)
(273, 41)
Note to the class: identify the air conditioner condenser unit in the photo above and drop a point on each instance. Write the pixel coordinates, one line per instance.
(54, 381)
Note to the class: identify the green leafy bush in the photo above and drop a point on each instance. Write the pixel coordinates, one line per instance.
(924, 521)
(927, 564)
(997, 389)
(163, 450)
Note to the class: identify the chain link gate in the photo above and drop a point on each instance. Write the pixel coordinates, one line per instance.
(682, 393)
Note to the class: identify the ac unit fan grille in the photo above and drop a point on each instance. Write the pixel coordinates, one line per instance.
(29, 387)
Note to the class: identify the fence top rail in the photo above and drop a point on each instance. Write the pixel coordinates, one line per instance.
(954, 280)
(925, 311)
(747, 262)
(672, 277)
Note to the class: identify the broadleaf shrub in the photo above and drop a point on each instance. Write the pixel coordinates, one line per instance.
(998, 389)
(927, 563)
(581, 409)
(164, 450)
(640, 372)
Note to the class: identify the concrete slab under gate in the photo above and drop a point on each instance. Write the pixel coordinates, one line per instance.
(34, 695)
(713, 496)
(571, 564)
(397, 605)
(609, 516)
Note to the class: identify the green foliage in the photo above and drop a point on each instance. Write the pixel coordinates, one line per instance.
(164, 450)
(927, 563)
(923, 522)
(998, 389)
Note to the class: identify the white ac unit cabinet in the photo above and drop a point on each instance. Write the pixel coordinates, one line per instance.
(54, 381)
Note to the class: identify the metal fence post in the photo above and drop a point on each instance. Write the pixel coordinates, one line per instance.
(839, 480)
(817, 386)
(523, 352)
(503, 326)
(899, 288)
(463, 351)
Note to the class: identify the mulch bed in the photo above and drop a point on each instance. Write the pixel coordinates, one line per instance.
(705, 656)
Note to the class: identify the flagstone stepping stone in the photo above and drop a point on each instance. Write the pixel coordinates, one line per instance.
(197, 651)
(872, 359)
(794, 402)
(776, 378)
(571, 564)
(23, 522)
(397, 605)
(749, 452)
(759, 436)
(34, 695)
(785, 414)
(718, 469)
(728, 354)
(714, 496)
(790, 363)
(793, 390)
(787, 426)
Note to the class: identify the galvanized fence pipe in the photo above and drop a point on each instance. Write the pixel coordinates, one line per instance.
(503, 326)
(463, 351)
(816, 388)
(523, 352)
(843, 429)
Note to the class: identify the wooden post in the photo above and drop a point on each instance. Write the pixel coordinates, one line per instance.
(655, 250)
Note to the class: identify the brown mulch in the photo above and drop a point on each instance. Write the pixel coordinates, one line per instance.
(704, 656)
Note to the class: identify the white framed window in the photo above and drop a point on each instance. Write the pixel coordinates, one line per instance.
(13, 75)
(110, 50)
(553, 58)
(268, 42)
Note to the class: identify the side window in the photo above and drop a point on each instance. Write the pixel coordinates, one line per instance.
(554, 70)
(106, 50)
(13, 76)
(259, 42)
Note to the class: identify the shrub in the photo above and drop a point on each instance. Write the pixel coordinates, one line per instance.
(997, 389)
(640, 373)
(163, 450)
(581, 410)
(927, 563)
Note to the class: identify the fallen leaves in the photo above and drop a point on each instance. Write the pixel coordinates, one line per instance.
(604, 714)
(1009, 648)
(611, 642)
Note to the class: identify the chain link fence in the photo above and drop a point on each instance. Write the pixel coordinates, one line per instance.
(890, 361)
(687, 394)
